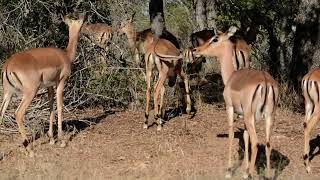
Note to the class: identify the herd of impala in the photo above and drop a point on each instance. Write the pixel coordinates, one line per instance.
(247, 92)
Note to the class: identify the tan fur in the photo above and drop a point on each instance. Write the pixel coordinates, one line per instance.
(241, 49)
(99, 33)
(252, 93)
(167, 59)
(30, 70)
(138, 41)
(310, 88)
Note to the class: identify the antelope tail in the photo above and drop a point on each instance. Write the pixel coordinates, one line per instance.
(166, 57)
(264, 99)
(188, 55)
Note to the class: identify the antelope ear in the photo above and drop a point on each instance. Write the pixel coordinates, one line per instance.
(62, 18)
(82, 16)
(215, 31)
(132, 16)
(66, 20)
(231, 31)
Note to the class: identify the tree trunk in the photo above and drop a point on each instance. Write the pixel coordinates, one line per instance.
(201, 15)
(156, 18)
(211, 14)
(305, 53)
(285, 50)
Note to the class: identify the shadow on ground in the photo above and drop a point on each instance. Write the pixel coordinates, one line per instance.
(278, 160)
(210, 88)
(314, 145)
(73, 127)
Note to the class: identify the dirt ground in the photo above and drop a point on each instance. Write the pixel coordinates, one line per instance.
(116, 146)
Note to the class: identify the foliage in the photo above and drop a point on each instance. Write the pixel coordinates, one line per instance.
(110, 78)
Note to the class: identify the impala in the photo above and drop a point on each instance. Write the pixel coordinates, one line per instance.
(168, 60)
(310, 88)
(99, 33)
(140, 41)
(27, 71)
(200, 37)
(251, 93)
(242, 50)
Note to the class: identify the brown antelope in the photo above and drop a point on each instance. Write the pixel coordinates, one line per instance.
(310, 88)
(241, 48)
(252, 93)
(140, 41)
(163, 55)
(27, 71)
(200, 37)
(99, 33)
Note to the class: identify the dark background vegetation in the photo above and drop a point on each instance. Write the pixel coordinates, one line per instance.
(284, 36)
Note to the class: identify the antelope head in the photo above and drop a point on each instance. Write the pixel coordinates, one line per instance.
(217, 46)
(72, 23)
(126, 26)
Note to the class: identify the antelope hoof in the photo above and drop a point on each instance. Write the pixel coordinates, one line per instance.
(159, 128)
(228, 175)
(247, 176)
(30, 153)
(268, 174)
(145, 126)
(52, 141)
(63, 144)
(188, 111)
(308, 168)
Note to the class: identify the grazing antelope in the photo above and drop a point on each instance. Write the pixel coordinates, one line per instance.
(30, 70)
(99, 33)
(251, 93)
(310, 88)
(140, 41)
(163, 55)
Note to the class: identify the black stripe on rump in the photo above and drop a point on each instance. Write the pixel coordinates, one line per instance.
(237, 60)
(7, 77)
(317, 89)
(243, 59)
(16, 76)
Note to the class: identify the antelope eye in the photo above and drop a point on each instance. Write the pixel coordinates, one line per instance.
(214, 40)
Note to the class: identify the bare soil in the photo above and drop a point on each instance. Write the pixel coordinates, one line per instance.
(116, 146)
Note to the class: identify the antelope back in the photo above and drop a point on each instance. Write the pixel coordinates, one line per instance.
(99, 32)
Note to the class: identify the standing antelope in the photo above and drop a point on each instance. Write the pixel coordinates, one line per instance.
(200, 37)
(163, 55)
(140, 41)
(99, 33)
(252, 93)
(242, 50)
(310, 88)
(30, 70)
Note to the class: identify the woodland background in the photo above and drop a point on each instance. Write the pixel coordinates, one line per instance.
(284, 36)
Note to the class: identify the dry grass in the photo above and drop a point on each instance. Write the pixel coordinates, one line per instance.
(115, 146)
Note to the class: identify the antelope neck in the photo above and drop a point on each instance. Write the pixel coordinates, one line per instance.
(131, 35)
(226, 66)
(73, 42)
